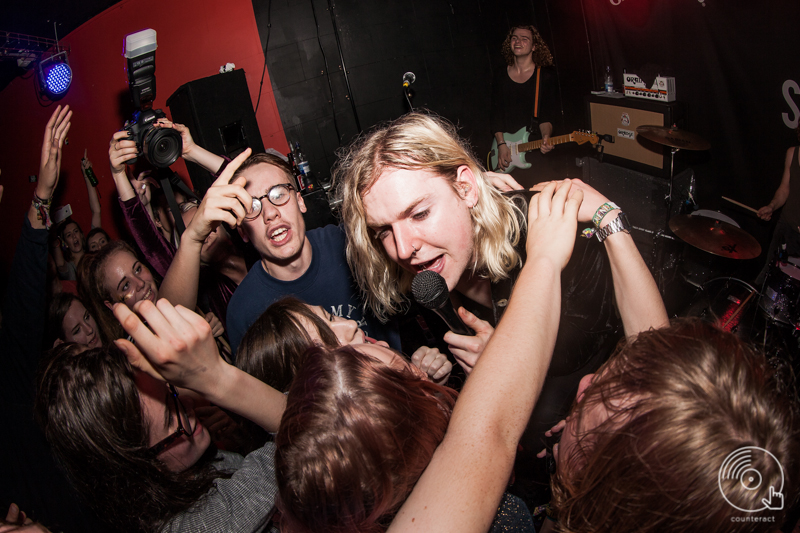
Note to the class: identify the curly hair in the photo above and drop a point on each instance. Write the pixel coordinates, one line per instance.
(89, 408)
(679, 400)
(424, 142)
(541, 53)
(354, 439)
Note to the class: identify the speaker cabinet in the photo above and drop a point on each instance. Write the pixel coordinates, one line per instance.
(619, 117)
(219, 113)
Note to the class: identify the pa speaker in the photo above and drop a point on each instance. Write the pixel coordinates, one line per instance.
(219, 114)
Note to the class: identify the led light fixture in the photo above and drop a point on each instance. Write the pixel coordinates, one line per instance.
(55, 75)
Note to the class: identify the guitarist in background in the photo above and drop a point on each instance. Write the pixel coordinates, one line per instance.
(524, 95)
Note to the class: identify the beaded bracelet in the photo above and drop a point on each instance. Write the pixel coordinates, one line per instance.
(602, 211)
(500, 144)
(42, 208)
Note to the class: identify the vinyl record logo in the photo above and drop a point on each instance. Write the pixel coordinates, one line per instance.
(738, 467)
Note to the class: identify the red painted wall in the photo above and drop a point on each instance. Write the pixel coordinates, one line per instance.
(194, 39)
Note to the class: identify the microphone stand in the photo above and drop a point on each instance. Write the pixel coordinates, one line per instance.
(407, 93)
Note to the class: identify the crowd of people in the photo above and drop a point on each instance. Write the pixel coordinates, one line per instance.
(185, 383)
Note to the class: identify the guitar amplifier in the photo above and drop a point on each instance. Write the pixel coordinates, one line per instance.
(619, 117)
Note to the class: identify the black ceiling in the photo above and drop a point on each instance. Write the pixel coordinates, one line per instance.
(36, 17)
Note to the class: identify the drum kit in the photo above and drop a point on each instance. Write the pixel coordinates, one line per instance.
(764, 317)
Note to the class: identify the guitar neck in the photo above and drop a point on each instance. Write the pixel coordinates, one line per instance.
(535, 145)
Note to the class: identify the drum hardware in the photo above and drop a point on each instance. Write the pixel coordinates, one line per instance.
(735, 315)
(780, 300)
(677, 140)
(723, 301)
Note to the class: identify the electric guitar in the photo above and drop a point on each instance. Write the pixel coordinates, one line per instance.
(518, 144)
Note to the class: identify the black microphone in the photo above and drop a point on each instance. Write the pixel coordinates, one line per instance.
(408, 79)
(430, 291)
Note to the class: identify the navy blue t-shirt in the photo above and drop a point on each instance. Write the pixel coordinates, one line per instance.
(327, 282)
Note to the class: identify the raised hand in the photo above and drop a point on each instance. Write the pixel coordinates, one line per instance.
(467, 349)
(121, 150)
(190, 150)
(592, 199)
(50, 164)
(553, 222)
(223, 202)
(176, 345)
(186, 135)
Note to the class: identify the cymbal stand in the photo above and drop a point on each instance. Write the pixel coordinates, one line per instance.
(664, 260)
(668, 198)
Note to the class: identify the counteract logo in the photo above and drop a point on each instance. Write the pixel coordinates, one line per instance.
(738, 467)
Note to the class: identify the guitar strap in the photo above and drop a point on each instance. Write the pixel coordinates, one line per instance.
(535, 111)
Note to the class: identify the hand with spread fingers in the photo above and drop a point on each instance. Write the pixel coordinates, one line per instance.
(50, 164)
(177, 346)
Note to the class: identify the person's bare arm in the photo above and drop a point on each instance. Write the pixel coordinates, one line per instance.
(50, 163)
(638, 299)
(120, 151)
(94, 199)
(782, 193)
(465, 480)
(177, 346)
(191, 150)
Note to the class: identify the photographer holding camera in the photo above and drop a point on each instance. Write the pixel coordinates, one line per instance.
(206, 278)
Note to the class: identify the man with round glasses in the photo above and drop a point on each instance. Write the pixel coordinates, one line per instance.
(309, 265)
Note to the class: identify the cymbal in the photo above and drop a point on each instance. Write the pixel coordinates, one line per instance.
(715, 237)
(674, 137)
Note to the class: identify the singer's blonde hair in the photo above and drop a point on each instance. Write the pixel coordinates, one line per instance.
(418, 141)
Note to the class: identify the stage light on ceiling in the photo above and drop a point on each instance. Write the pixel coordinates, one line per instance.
(55, 76)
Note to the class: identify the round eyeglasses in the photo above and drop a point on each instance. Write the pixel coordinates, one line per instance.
(277, 195)
(184, 424)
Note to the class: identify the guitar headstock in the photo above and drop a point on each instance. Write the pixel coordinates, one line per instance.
(582, 137)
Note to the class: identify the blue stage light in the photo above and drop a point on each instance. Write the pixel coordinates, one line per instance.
(55, 76)
(58, 78)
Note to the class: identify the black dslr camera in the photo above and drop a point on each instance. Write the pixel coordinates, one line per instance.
(160, 146)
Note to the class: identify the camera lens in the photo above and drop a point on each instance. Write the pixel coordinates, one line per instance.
(162, 146)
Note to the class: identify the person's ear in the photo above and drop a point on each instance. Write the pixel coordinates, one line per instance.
(57, 342)
(467, 185)
(301, 203)
(242, 234)
(109, 304)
